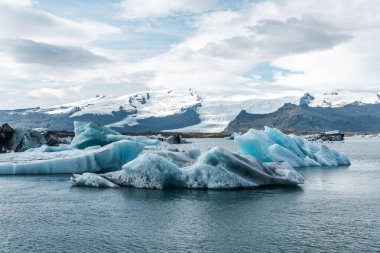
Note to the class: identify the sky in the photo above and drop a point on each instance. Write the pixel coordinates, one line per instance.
(55, 52)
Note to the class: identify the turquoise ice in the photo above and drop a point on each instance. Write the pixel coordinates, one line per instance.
(272, 145)
(89, 134)
(101, 159)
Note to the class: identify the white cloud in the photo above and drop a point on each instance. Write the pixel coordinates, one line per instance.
(54, 93)
(137, 9)
(322, 45)
(16, 2)
(25, 22)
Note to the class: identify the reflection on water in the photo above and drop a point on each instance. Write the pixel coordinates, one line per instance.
(337, 209)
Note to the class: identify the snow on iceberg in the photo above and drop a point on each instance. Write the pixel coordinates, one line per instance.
(215, 169)
(271, 145)
(89, 134)
(108, 158)
(180, 157)
(91, 179)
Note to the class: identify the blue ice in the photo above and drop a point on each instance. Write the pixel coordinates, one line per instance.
(272, 145)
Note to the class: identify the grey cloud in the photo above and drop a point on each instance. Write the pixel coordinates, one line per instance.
(30, 52)
(298, 35)
(273, 38)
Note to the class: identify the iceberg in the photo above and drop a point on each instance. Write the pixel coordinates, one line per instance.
(272, 145)
(215, 169)
(96, 159)
(89, 134)
(233, 136)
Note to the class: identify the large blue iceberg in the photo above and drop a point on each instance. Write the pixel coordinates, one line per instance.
(215, 169)
(88, 134)
(99, 159)
(271, 145)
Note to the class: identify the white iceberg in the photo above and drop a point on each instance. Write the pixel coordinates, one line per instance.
(89, 134)
(271, 145)
(215, 169)
(108, 158)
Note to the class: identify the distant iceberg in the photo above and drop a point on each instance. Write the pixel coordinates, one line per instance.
(97, 159)
(272, 145)
(233, 136)
(215, 169)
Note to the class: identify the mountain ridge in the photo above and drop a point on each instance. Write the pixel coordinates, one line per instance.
(168, 110)
(352, 117)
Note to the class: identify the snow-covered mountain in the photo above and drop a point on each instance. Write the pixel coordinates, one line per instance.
(346, 111)
(168, 110)
(339, 99)
(160, 110)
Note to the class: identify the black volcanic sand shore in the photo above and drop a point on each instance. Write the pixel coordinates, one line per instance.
(209, 135)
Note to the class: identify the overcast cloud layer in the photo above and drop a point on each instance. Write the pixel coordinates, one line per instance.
(52, 52)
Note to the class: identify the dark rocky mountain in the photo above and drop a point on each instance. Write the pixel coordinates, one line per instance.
(355, 117)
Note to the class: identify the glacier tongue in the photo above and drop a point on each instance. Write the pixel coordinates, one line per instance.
(271, 145)
(108, 158)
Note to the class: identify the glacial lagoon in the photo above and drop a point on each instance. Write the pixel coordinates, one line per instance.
(337, 209)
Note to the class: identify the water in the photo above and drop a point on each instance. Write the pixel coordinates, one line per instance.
(336, 210)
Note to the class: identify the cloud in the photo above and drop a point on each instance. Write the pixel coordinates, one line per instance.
(17, 2)
(23, 21)
(310, 39)
(140, 9)
(270, 39)
(297, 36)
(54, 93)
(51, 56)
(257, 47)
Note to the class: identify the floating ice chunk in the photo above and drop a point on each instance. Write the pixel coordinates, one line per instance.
(108, 158)
(215, 169)
(271, 145)
(45, 148)
(176, 139)
(89, 134)
(329, 156)
(91, 179)
(232, 136)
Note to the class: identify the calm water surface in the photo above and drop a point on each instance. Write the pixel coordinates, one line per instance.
(336, 210)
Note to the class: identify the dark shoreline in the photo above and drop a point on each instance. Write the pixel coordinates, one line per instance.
(206, 135)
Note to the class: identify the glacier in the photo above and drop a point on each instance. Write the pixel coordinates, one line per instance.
(111, 157)
(217, 168)
(272, 145)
